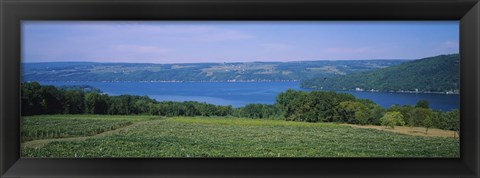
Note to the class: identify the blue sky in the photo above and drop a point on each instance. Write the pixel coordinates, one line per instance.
(203, 41)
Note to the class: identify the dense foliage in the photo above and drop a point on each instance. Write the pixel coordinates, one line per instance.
(237, 137)
(37, 99)
(315, 106)
(245, 71)
(424, 117)
(433, 74)
(392, 119)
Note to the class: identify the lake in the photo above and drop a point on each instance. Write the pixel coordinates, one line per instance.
(240, 94)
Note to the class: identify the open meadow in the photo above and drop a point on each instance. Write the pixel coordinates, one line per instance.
(153, 136)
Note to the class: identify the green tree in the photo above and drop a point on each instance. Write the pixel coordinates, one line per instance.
(427, 123)
(355, 112)
(422, 117)
(154, 109)
(290, 102)
(362, 116)
(422, 104)
(74, 102)
(225, 110)
(31, 98)
(96, 103)
(142, 104)
(376, 113)
(453, 121)
(52, 102)
(253, 111)
(315, 106)
(190, 109)
(392, 119)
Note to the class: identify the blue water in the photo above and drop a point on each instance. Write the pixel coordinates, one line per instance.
(242, 93)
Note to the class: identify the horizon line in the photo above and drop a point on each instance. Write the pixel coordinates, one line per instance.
(212, 61)
(231, 62)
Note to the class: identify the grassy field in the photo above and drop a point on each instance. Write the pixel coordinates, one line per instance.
(147, 136)
(64, 126)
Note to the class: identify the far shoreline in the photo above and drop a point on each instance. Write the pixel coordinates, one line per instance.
(261, 81)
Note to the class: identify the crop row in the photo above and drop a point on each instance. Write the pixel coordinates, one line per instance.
(35, 128)
(219, 137)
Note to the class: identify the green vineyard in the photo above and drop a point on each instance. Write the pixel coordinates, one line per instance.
(64, 126)
(146, 136)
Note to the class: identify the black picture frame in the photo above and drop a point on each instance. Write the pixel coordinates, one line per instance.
(12, 12)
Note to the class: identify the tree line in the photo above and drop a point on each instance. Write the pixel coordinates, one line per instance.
(291, 105)
(321, 106)
(37, 99)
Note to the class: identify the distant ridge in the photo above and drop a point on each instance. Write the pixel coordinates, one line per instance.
(202, 72)
(432, 74)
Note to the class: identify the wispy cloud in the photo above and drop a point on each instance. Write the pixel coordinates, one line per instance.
(132, 53)
(201, 33)
(123, 41)
(276, 46)
(446, 47)
(226, 35)
(170, 41)
(140, 49)
(344, 50)
(450, 44)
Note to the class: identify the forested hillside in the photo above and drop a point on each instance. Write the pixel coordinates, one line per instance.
(432, 74)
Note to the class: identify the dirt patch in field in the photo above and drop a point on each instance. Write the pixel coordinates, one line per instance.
(417, 131)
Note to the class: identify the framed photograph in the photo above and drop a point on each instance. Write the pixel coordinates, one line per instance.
(239, 88)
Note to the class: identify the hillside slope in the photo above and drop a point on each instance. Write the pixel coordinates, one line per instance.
(432, 74)
(241, 71)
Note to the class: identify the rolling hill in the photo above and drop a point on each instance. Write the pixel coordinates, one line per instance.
(210, 72)
(432, 74)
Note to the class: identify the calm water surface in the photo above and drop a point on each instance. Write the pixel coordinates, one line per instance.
(241, 93)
